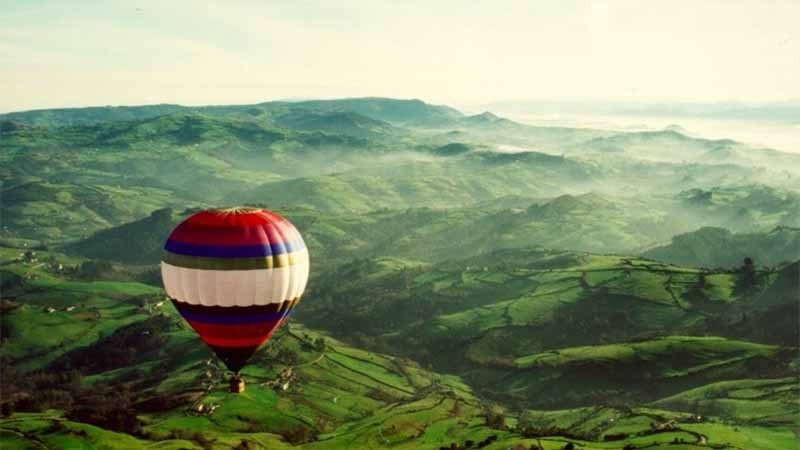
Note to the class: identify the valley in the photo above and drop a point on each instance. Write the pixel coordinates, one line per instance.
(590, 289)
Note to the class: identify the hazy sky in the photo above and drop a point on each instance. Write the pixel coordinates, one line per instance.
(77, 53)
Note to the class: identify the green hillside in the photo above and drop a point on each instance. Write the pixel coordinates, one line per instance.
(460, 316)
(476, 283)
(338, 396)
(55, 212)
(638, 370)
(757, 401)
(718, 247)
(590, 222)
(363, 155)
(147, 233)
(351, 192)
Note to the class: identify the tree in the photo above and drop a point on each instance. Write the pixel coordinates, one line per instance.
(7, 408)
(748, 278)
(456, 409)
(92, 270)
(494, 419)
(287, 356)
(244, 445)
(299, 434)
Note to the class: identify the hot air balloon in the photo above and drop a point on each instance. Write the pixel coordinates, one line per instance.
(234, 275)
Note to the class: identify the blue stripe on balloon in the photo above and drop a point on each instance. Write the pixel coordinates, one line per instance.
(232, 319)
(235, 251)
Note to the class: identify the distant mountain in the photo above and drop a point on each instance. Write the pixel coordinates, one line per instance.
(718, 247)
(676, 128)
(355, 193)
(786, 110)
(673, 145)
(743, 208)
(663, 145)
(409, 112)
(591, 222)
(320, 154)
(454, 178)
(178, 128)
(385, 109)
(341, 221)
(490, 128)
(452, 149)
(92, 115)
(336, 122)
(485, 118)
(188, 128)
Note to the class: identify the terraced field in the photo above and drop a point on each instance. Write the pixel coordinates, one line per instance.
(339, 396)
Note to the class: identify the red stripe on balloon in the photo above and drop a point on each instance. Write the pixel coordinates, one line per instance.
(235, 331)
(234, 343)
(239, 342)
(260, 234)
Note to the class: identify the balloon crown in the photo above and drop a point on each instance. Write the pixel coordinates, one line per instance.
(235, 210)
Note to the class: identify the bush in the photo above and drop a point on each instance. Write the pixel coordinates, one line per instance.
(94, 270)
(495, 420)
(7, 409)
(299, 434)
(125, 347)
(109, 408)
(244, 445)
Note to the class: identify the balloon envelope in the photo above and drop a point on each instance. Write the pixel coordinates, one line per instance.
(235, 275)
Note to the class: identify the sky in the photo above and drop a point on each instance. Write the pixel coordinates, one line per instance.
(82, 53)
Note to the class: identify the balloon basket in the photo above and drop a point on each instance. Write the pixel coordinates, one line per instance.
(237, 384)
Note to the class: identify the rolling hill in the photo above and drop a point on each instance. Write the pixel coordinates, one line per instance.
(460, 315)
(340, 223)
(148, 374)
(718, 247)
(477, 283)
(385, 109)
